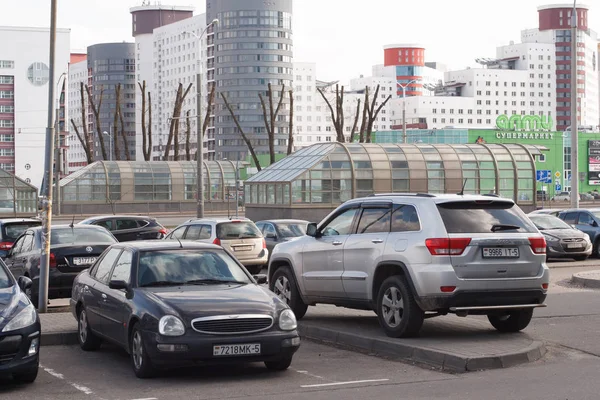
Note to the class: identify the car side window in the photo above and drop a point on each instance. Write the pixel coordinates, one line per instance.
(261, 227)
(27, 242)
(269, 230)
(193, 232)
(585, 219)
(374, 220)
(341, 224)
(108, 224)
(142, 223)
(570, 218)
(102, 270)
(178, 233)
(123, 224)
(405, 219)
(122, 270)
(206, 232)
(16, 249)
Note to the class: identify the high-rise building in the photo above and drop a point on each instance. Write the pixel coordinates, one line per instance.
(252, 48)
(24, 80)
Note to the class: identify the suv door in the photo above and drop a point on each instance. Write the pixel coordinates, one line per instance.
(323, 256)
(115, 305)
(126, 229)
(363, 250)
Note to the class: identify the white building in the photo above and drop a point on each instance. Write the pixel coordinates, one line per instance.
(78, 73)
(24, 80)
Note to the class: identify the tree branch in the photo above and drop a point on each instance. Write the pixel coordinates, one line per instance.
(248, 143)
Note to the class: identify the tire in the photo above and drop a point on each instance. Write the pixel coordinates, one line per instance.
(580, 258)
(140, 361)
(283, 284)
(396, 301)
(514, 321)
(279, 365)
(27, 377)
(596, 249)
(254, 269)
(88, 341)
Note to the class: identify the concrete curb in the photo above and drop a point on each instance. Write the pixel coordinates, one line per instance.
(397, 348)
(66, 338)
(589, 279)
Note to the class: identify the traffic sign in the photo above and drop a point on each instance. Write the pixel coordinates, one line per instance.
(558, 187)
(557, 174)
(544, 175)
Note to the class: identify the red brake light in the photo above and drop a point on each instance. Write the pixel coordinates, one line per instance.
(52, 260)
(538, 245)
(5, 245)
(447, 246)
(264, 243)
(447, 289)
(164, 231)
(217, 241)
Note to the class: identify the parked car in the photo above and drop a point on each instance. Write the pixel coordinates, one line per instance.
(547, 211)
(73, 248)
(586, 197)
(562, 196)
(19, 329)
(587, 221)
(562, 240)
(595, 195)
(172, 304)
(542, 195)
(11, 229)
(405, 255)
(277, 231)
(240, 236)
(127, 228)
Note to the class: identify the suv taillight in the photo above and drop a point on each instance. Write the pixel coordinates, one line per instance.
(5, 245)
(538, 245)
(447, 246)
(264, 243)
(217, 241)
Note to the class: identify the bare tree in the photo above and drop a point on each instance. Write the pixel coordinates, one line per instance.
(270, 117)
(353, 131)
(116, 123)
(188, 132)
(290, 148)
(337, 115)
(85, 140)
(237, 123)
(373, 113)
(174, 127)
(146, 138)
(96, 111)
(363, 124)
(209, 111)
(148, 154)
(124, 136)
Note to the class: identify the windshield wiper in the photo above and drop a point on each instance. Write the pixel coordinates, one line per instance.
(504, 227)
(214, 281)
(163, 283)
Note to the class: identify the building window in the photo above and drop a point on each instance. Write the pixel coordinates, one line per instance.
(4, 79)
(7, 64)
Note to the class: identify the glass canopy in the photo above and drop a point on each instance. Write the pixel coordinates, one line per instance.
(16, 196)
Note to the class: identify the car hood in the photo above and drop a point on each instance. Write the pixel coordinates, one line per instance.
(204, 301)
(11, 301)
(564, 233)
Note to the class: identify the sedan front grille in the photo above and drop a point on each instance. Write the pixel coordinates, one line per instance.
(232, 324)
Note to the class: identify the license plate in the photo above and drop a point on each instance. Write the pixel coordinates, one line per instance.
(236, 349)
(574, 245)
(84, 260)
(500, 252)
(242, 248)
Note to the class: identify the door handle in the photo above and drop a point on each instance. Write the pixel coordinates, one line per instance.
(376, 241)
(103, 297)
(336, 243)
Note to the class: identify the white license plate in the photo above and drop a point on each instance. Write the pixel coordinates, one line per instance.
(500, 252)
(242, 248)
(236, 349)
(574, 245)
(84, 260)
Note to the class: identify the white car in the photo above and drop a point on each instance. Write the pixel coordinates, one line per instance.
(562, 196)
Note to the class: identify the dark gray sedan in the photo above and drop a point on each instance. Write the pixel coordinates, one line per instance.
(562, 240)
(277, 231)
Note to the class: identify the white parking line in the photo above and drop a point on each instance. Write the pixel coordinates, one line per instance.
(344, 383)
(77, 386)
(309, 374)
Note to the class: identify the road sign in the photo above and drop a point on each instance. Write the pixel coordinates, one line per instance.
(544, 175)
(558, 187)
(557, 174)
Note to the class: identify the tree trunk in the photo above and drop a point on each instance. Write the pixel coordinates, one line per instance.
(337, 116)
(188, 131)
(144, 131)
(174, 120)
(115, 132)
(84, 143)
(96, 111)
(270, 118)
(352, 133)
(148, 156)
(124, 136)
(290, 148)
(372, 116)
(363, 124)
(211, 104)
(248, 143)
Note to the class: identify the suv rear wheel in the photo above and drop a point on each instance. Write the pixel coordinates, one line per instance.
(284, 286)
(397, 311)
(513, 321)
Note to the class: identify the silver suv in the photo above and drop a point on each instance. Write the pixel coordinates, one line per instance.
(239, 236)
(414, 256)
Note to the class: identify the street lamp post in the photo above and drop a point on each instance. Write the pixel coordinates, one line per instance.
(237, 186)
(110, 145)
(200, 136)
(574, 122)
(403, 87)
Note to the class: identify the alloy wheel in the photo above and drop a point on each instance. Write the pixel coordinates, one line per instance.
(282, 289)
(392, 307)
(137, 350)
(83, 325)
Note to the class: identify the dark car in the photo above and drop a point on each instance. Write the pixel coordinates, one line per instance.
(19, 329)
(587, 221)
(277, 231)
(171, 304)
(562, 240)
(127, 228)
(11, 229)
(72, 249)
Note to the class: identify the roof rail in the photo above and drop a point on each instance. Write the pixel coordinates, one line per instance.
(402, 194)
(490, 195)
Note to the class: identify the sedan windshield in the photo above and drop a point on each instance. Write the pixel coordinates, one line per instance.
(289, 230)
(80, 235)
(546, 222)
(191, 267)
(5, 281)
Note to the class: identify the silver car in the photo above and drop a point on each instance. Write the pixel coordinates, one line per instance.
(411, 256)
(562, 240)
(239, 236)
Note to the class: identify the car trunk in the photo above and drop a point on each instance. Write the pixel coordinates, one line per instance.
(492, 240)
(75, 257)
(241, 238)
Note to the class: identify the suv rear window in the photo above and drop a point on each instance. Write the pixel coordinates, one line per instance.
(13, 230)
(481, 217)
(237, 230)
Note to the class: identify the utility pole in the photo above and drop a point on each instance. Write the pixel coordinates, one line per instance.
(403, 87)
(237, 187)
(46, 200)
(574, 121)
(57, 161)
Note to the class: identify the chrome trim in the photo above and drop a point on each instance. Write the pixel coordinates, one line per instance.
(497, 307)
(233, 317)
(34, 334)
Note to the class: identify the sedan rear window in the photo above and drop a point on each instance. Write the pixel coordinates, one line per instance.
(484, 217)
(80, 235)
(237, 230)
(13, 231)
(292, 229)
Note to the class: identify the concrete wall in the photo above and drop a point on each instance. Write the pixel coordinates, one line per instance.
(312, 214)
(144, 207)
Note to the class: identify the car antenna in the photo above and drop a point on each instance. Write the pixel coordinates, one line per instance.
(462, 191)
(72, 222)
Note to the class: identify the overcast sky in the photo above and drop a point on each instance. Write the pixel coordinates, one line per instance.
(344, 37)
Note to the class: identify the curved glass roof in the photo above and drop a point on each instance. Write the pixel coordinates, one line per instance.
(16, 195)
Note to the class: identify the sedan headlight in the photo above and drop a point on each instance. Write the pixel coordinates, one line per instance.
(23, 319)
(551, 238)
(170, 325)
(287, 320)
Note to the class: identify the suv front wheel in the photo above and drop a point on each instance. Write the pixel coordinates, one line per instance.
(284, 286)
(397, 311)
(513, 321)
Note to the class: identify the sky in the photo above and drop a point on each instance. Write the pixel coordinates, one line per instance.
(344, 37)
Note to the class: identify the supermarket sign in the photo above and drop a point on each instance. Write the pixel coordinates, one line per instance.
(525, 122)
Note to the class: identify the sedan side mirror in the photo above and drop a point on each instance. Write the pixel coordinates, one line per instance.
(118, 285)
(24, 283)
(261, 279)
(311, 229)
